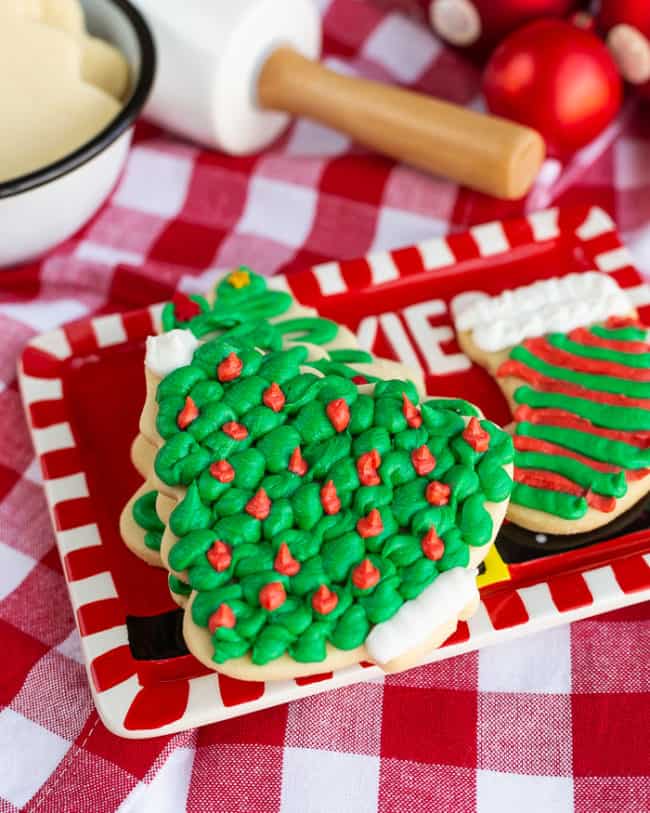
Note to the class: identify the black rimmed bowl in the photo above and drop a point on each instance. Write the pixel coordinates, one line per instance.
(45, 207)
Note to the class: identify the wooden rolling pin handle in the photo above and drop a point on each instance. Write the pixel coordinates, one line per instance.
(480, 151)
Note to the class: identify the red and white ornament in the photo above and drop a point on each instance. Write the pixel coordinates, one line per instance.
(557, 78)
(482, 24)
(626, 24)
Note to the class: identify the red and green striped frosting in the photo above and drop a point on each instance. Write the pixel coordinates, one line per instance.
(583, 417)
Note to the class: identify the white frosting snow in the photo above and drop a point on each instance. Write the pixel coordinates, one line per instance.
(169, 351)
(416, 620)
(558, 304)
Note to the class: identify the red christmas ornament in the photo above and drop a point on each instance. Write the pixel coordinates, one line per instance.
(324, 600)
(476, 436)
(297, 463)
(274, 397)
(482, 24)
(370, 525)
(222, 617)
(219, 556)
(627, 26)
(284, 561)
(189, 413)
(222, 471)
(329, 498)
(558, 79)
(259, 505)
(432, 546)
(367, 466)
(437, 493)
(423, 461)
(230, 368)
(237, 431)
(185, 308)
(272, 596)
(365, 575)
(411, 413)
(338, 412)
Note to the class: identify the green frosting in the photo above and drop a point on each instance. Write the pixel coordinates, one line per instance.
(146, 516)
(562, 342)
(326, 542)
(579, 416)
(590, 381)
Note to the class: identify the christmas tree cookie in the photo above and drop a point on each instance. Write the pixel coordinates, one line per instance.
(243, 305)
(316, 522)
(574, 363)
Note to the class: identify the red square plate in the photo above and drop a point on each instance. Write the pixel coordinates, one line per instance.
(83, 389)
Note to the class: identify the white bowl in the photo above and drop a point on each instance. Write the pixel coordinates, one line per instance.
(45, 207)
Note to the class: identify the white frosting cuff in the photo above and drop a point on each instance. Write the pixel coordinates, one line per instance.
(558, 304)
(417, 620)
(169, 351)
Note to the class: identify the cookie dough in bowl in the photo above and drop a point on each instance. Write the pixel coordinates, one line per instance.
(74, 74)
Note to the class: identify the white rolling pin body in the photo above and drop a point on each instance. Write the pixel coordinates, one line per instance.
(210, 54)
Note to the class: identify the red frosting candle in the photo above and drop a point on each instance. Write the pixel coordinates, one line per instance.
(237, 431)
(476, 436)
(222, 617)
(324, 600)
(230, 368)
(274, 397)
(338, 412)
(259, 506)
(222, 471)
(423, 461)
(367, 466)
(284, 561)
(219, 556)
(411, 413)
(297, 463)
(437, 493)
(365, 575)
(329, 498)
(432, 546)
(189, 413)
(370, 525)
(272, 596)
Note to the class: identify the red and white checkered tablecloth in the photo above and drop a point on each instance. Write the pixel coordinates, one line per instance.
(550, 724)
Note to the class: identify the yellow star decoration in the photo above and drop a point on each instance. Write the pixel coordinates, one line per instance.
(239, 279)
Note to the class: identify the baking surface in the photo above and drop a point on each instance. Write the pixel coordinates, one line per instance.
(513, 723)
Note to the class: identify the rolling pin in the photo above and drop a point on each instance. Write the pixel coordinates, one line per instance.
(230, 74)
